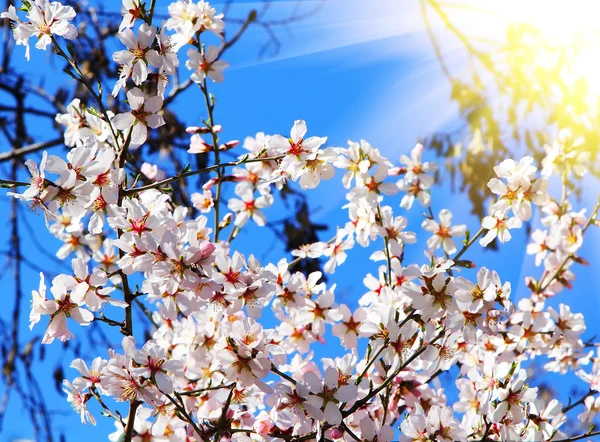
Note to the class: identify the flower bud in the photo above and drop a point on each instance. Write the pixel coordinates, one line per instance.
(336, 433)
(395, 171)
(226, 220)
(229, 145)
(197, 130)
(580, 260)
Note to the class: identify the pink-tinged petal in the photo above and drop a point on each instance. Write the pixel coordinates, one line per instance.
(139, 134)
(389, 189)
(298, 130)
(154, 104)
(140, 73)
(155, 121)
(313, 382)
(449, 246)
(146, 35)
(331, 378)
(78, 293)
(488, 238)
(123, 57)
(82, 316)
(333, 414)
(128, 344)
(430, 225)
(497, 186)
(56, 165)
(123, 121)
(80, 268)
(127, 37)
(211, 53)
(489, 222)
(445, 217)
(164, 383)
(347, 393)
(216, 76)
(279, 143)
(136, 98)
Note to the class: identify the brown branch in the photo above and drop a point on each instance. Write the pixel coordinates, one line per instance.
(16, 153)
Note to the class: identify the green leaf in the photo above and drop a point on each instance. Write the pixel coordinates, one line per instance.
(26, 6)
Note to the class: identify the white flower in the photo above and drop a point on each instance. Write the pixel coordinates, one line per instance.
(328, 394)
(514, 398)
(204, 202)
(249, 207)
(47, 19)
(143, 115)
(416, 169)
(498, 227)
(78, 401)
(206, 65)
(152, 172)
(443, 232)
(188, 17)
(130, 10)
(39, 304)
(318, 166)
(138, 52)
(297, 148)
(336, 251)
(66, 305)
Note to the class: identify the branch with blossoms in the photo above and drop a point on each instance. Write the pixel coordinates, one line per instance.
(211, 369)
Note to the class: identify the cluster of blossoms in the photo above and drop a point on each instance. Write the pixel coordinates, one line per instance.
(212, 370)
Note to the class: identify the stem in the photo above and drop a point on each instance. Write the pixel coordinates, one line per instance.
(224, 415)
(570, 256)
(93, 93)
(11, 183)
(371, 362)
(467, 245)
(202, 390)
(251, 17)
(385, 383)
(581, 436)
(274, 369)
(29, 149)
(133, 406)
(580, 401)
(185, 414)
(215, 140)
(151, 13)
(180, 176)
(107, 410)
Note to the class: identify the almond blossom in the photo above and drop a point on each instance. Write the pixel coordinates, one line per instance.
(230, 347)
(443, 232)
(144, 114)
(46, 20)
(205, 64)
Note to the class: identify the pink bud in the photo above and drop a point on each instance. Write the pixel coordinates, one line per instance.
(336, 433)
(197, 130)
(210, 183)
(229, 145)
(395, 171)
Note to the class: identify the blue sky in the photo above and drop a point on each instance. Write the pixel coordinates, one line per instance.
(352, 72)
